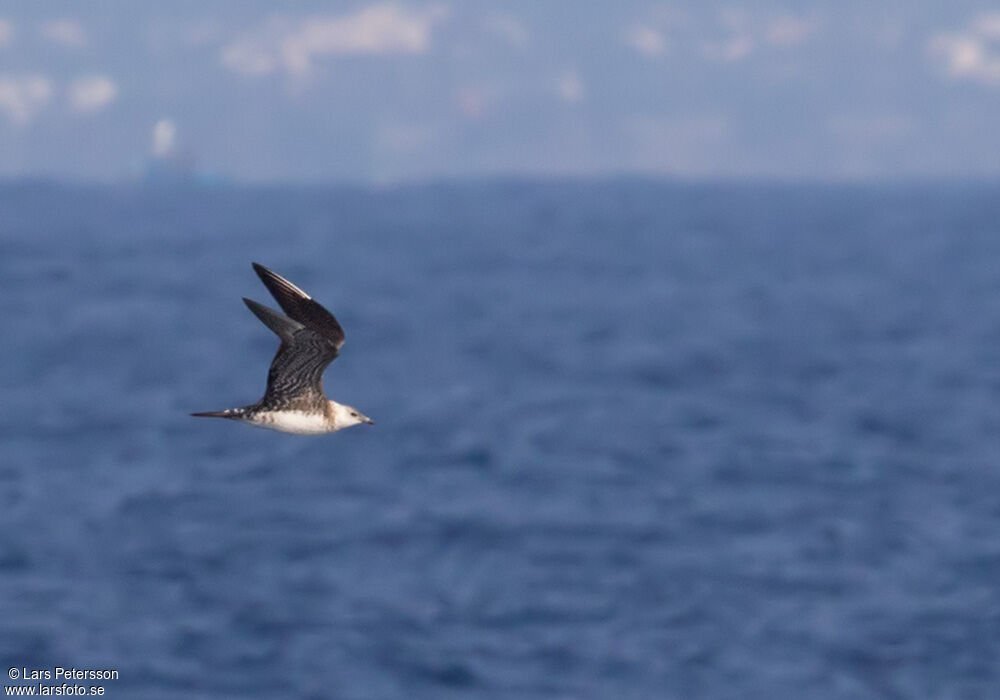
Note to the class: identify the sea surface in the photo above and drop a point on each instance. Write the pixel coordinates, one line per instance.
(634, 439)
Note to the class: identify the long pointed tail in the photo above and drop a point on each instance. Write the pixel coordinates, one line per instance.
(228, 413)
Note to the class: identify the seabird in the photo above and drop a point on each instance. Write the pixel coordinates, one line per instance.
(310, 340)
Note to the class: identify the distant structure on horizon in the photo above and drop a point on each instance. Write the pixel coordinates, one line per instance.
(170, 165)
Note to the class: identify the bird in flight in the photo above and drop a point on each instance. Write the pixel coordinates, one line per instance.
(310, 340)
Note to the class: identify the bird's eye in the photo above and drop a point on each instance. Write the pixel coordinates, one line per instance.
(355, 415)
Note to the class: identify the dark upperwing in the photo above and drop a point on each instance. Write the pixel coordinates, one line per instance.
(301, 307)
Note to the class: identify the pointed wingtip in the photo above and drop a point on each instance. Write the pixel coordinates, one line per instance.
(281, 289)
(254, 306)
(264, 273)
(283, 326)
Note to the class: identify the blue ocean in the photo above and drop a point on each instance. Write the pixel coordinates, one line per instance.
(634, 439)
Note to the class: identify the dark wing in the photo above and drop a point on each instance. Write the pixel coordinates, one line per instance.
(301, 307)
(295, 379)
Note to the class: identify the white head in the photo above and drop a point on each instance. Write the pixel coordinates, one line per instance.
(345, 416)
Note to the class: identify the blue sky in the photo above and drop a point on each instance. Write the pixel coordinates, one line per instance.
(386, 91)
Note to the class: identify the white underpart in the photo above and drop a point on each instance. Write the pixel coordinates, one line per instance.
(297, 422)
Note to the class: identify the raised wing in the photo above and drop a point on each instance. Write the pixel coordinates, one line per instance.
(295, 379)
(301, 307)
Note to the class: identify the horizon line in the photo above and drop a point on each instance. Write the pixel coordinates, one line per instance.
(211, 182)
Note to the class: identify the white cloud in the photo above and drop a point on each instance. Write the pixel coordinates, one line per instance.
(164, 138)
(569, 87)
(646, 40)
(249, 58)
(21, 97)
(971, 55)
(6, 32)
(510, 28)
(92, 94)
(292, 47)
(747, 33)
(788, 31)
(733, 49)
(988, 25)
(473, 101)
(965, 56)
(66, 32)
(739, 43)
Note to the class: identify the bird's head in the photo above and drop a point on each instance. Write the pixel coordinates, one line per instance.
(345, 416)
